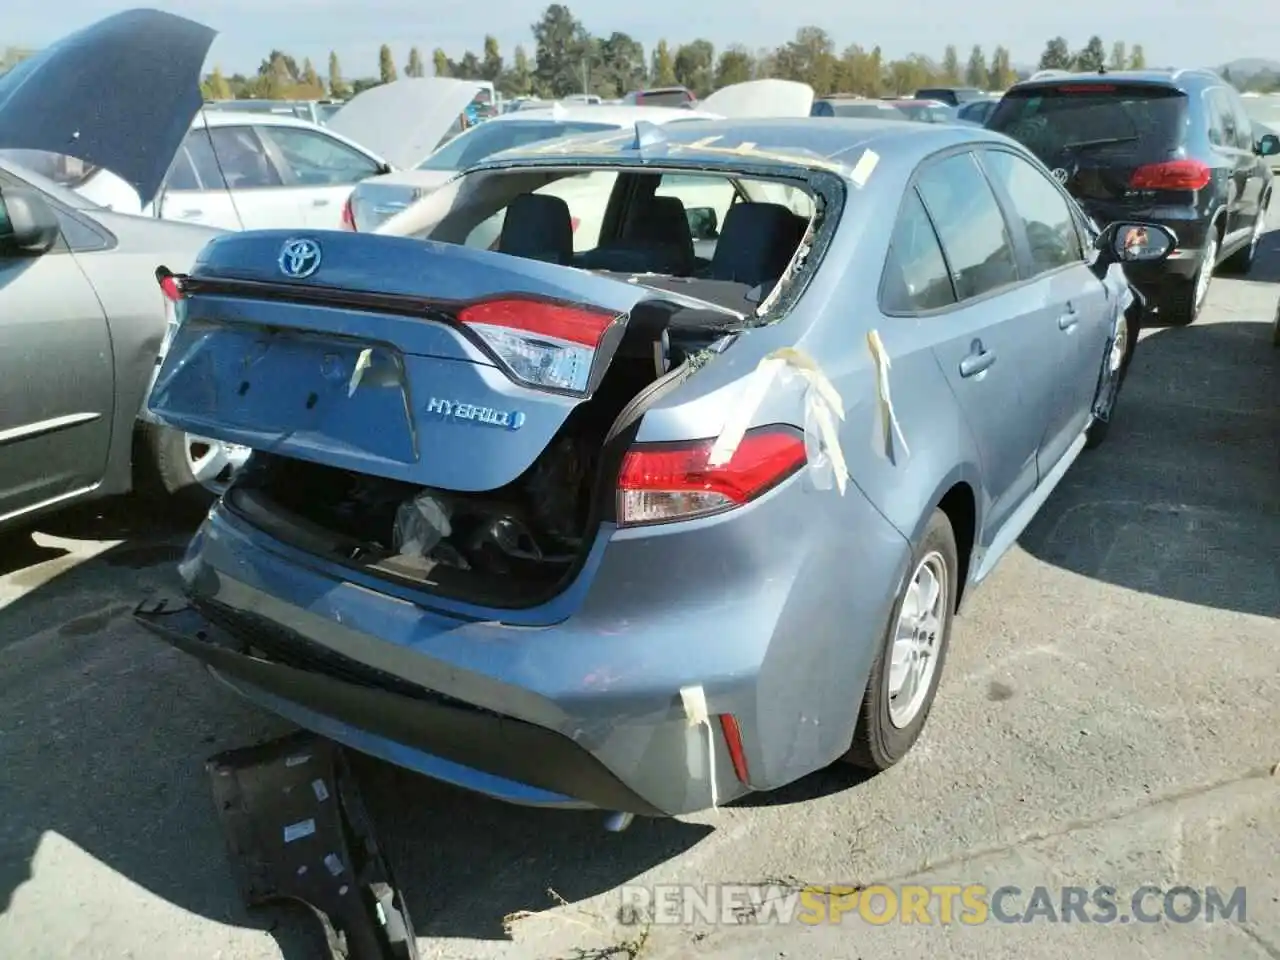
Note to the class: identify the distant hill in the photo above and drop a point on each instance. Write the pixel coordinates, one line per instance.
(1247, 67)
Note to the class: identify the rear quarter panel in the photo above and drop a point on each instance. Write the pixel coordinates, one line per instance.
(124, 279)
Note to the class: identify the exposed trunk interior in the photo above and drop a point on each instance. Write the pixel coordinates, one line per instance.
(512, 547)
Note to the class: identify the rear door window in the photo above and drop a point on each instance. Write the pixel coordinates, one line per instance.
(915, 273)
(970, 225)
(231, 156)
(1223, 130)
(1046, 216)
(1128, 124)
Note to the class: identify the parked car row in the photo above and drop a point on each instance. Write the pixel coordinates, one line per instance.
(580, 444)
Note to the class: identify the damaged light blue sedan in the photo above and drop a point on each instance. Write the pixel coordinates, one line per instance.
(641, 470)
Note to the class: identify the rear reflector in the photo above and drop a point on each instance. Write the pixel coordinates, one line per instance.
(733, 740)
(171, 287)
(542, 344)
(348, 217)
(1172, 175)
(661, 482)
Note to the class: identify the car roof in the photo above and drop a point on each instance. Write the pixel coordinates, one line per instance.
(620, 115)
(238, 118)
(831, 143)
(1169, 78)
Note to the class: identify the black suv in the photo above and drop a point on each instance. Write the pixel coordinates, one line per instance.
(1170, 146)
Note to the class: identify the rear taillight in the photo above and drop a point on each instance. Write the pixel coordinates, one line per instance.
(1171, 175)
(348, 217)
(661, 482)
(542, 344)
(174, 295)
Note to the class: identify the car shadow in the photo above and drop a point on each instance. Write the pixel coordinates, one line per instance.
(1266, 262)
(104, 736)
(1183, 499)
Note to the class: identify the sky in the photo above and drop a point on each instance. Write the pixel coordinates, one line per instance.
(1177, 32)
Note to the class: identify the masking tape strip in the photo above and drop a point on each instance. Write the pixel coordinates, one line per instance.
(364, 362)
(890, 416)
(822, 403)
(694, 700)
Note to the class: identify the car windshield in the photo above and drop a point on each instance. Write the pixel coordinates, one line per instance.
(469, 148)
(1131, 122)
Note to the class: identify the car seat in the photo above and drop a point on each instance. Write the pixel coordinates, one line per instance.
(538, 227)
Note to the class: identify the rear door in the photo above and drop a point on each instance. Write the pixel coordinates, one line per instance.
(1094, 136)
(57, 371)
(321, 170)
(240, 186)
(996, 345)
(1225, 137)
(1251, 175)
(1077, 315)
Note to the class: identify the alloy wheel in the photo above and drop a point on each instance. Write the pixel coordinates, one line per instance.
(917, 640)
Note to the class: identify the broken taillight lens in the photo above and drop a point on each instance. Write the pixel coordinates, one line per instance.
(174, 295)
(661, 482)
(542, 344)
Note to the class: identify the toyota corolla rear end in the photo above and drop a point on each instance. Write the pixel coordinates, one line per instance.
(452, 551)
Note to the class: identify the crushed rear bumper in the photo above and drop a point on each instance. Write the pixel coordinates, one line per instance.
(270, 660)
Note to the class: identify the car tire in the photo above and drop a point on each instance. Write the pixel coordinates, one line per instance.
(1097, 431)
(1182, 304)
(880, 740)
(1275, 329)
(164, 471)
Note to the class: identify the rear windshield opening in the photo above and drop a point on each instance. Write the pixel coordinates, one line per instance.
(469, 148)
(1143, 121)
(721, 238)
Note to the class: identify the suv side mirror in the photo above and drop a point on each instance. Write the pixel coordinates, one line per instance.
(1268, 145)
(1127, 242)
(703, 223)
(28, 225)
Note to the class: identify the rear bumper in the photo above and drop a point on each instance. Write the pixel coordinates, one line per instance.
(576, 703)
(394, 724)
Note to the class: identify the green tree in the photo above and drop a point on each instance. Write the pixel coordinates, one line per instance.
(215, 86)
(278, 74)
(734, 66)
(491, 64)
(1001, 75)
(1137, 58)
(563, 52)
(337, 86)
(950, 65)
(1093, 57)
(386, 65)
(622, 66)
(415, 66)
(976, 73)
(1056, 56)
(468, 68)
(1119, 57)
(663, 72)
(440, 63)
(518, 81)
(695, 66)
(809, 58)
(309, 77)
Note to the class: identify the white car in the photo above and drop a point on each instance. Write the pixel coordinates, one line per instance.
(240, 170)
(378, 199)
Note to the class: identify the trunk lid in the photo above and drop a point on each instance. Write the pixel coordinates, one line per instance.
(119, 94)
(404, 121)
(429, 363)
(1093, 136)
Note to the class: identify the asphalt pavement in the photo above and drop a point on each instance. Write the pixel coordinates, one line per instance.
(1108, 716)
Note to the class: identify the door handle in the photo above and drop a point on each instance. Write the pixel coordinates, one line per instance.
(1069, 318)
(980, 359)
(188, 214)
(319, 202)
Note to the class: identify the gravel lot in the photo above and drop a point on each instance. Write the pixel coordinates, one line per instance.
(1108, 715)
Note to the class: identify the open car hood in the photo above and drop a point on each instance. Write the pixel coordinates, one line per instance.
(760, 98)
(119, 94)
(404, 121)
